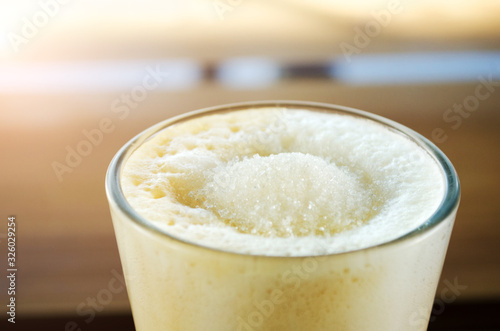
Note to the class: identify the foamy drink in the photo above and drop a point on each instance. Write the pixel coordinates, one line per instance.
(285, 217)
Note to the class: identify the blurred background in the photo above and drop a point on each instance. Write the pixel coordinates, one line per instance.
(78, 79)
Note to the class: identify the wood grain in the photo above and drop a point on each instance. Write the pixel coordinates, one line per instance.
(66, 248)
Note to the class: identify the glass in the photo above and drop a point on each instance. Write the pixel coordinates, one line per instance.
(177, 285)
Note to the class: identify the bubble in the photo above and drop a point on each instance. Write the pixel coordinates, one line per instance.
(286, 195)
(282, 182)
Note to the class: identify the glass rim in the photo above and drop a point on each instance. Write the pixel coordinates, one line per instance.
(117, 199)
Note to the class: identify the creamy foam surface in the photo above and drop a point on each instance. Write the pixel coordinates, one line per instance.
(282, 182)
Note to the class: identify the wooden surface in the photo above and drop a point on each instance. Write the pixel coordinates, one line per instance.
(67, 253)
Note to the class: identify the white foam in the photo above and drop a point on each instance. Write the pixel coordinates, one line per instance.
(283, 182)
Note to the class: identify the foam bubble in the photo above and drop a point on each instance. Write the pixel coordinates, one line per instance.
(286, 195)
(283, 182)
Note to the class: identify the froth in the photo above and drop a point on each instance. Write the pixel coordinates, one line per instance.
(285, 195)
(282, 182)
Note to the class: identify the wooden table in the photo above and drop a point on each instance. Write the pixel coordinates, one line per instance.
(66, 250)
(66, 247)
